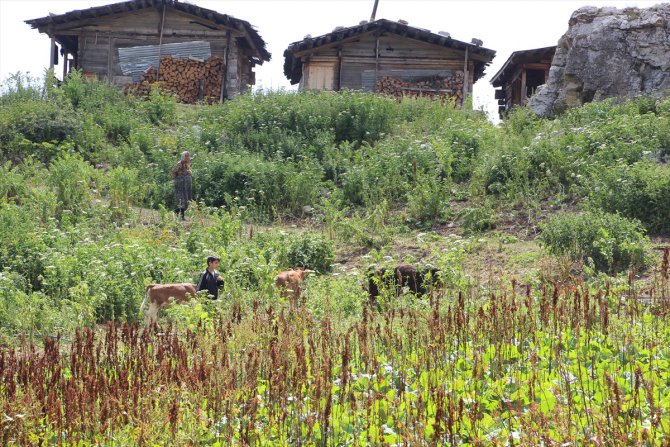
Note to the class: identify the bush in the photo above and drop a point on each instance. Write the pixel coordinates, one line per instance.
(427, 200)
(640, 191)
(310, 250)
(260, 121)
(12, 183)
(160, 108)
(478, 218)
(297, 249)
(36, 128)
(72, 178)
(20, 87)
(265, 188)
(614, 243)
(124, 188)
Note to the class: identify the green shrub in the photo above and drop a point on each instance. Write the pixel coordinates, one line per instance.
(614, 243)
(160, 108)
(12, 183)
(20, 87)
(288, 126)
(365, 229)
(72, 178)
(264, 188)
(310, 250)
(479, 218)
(286, 250)
(640, 191)
(427, 200)
(21, 244)
(26, 126)
(502, 172)
(124, 188)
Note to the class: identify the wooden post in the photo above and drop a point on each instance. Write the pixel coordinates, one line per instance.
(65, 54)
(466, 81)
(52, 53)
(339, 69)
(110, 51)
(160, 42)
(523, 85)
(376, 59)
(224, 89)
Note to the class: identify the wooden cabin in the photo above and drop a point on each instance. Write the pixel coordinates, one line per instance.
(521, 75)
(122, 41)
(387, 57)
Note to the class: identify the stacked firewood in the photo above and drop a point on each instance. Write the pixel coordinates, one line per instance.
(433, 87)
(189, 80)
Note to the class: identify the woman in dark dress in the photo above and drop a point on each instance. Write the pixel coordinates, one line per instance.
(182, 183)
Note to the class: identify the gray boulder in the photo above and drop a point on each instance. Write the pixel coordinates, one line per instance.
(608, 52)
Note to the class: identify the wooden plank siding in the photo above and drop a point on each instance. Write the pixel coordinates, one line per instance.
(96, 34)
(520, 76)
(389, 57)
(94, 54)
(335, 68)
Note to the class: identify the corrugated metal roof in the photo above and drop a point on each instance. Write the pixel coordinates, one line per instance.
(135, 60)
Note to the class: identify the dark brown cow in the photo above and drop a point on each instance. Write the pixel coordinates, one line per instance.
(417, 280)
(161, 295)
(290, 283)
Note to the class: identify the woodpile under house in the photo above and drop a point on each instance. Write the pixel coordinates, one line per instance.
(388, 57)
(521, 75)
(196, 53)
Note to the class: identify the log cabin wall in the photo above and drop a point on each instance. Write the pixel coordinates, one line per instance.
(395, 54)
(520, 76)
(99, 55)
(387, 57)
(94, 36)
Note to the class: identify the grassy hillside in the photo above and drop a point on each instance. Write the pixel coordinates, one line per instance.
(549, 237)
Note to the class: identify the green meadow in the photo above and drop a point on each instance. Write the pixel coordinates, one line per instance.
(549, 325)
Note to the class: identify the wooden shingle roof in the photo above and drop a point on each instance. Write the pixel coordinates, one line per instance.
(252, 37)
(521, 57)
(293, 63)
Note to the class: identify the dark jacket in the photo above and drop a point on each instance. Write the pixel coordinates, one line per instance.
(209, 283)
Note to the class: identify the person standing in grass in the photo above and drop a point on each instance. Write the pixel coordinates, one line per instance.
(182, 183)
(210, 280)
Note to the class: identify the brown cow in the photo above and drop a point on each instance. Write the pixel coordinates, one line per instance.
(290, 283)
(160, 295)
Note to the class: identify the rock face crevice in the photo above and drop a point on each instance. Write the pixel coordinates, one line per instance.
(608, 52)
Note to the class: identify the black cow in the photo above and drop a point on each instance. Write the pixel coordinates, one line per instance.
(417, 280)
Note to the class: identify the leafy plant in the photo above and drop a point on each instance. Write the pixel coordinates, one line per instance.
(639, 192)
(613, 242)
(71, 177)
(478, 218)
(427, 200)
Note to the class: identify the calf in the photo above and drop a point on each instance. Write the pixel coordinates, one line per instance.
(159, 295)
(290, 283)
(417, 280)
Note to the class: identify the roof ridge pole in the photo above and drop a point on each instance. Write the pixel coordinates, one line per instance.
(160, 42)
(374, 11)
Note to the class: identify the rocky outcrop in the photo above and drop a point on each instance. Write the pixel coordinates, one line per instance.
(608, 52)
